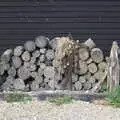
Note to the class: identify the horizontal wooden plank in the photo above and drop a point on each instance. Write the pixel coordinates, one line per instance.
(83, 32)
(61, 14)
(60, 3)
(60, 20)
(86, 36)
(60, 9)
(64, 30)
(59, 25)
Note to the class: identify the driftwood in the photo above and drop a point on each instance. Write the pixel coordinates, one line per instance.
(113, 68)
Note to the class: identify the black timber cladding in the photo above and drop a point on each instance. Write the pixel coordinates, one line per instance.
(22, 20)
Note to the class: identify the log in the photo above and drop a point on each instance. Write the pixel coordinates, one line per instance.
(97, 55)
(99, 75)
(82, 79)
(42, 50)
(6, 66)
(46, 80)
(6, 55)
(39, 79)
(12, 71)
(87, 86)
(29, 46)
(97, 86)
(41, 41)
(89, 61)
(87, 75)
(92, 67)
(8, 84)
(36, 53)
(33, 74)
(48, 63)
(102, 66)
(34, 86)
(51, 84)
(26, 56)
(74, 77)
(26, 64)
(42, 58)
(113, 77)
(82, 67)
(49, 72)
(50, 54)
(2, 68)
(40, 72)
(90, 43)
(32, 67)
(53, 43)
(33, 60)
(83, 53)
(78, 85)
(16, 61)
(23, 73)
(18, 50)
(92, 80)
(19, 84)
(42, 66)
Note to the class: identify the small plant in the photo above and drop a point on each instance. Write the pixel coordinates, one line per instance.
(102, 90)
(61, 100)
(114, 96)
(17, 97)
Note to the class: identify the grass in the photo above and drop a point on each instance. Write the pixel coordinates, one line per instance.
(17, 97)
(61, 100)
(114, 97)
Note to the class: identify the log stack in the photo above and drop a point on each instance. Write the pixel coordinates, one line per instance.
(31, 66)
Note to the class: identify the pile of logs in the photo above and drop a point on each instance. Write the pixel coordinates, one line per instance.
(32, 66)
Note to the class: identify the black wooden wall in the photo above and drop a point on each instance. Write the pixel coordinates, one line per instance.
(22, 20)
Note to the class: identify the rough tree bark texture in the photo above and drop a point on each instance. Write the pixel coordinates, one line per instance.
(113, 78)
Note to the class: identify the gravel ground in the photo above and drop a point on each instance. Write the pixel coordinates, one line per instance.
(43, 110)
